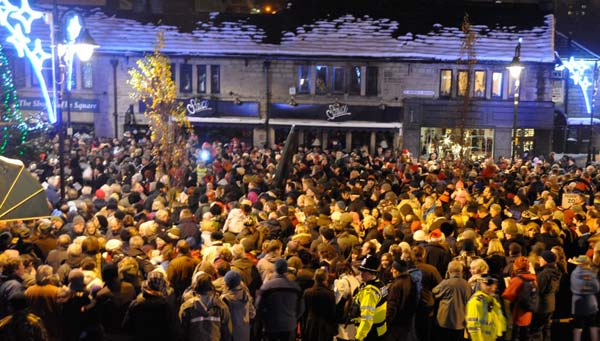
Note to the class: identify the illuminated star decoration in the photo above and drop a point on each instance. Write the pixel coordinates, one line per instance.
(18, 20)
(578, 70)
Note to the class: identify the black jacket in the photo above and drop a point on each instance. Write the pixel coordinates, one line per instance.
(548, 279)
(401, 301)
(320, 322)
(439, 256)
(151, 318)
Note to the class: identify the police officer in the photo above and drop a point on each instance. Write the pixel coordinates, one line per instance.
(485, 321)
(371, 298)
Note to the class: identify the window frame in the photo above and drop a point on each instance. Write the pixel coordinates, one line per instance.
(215, 83)
(449, 93)
(334, 76)
(326, 88)
(303, 88)
(466, 92)
(186, 69)
(372, 72)
(501, 86)
(484, 94)
(199, 79)
(351, 78)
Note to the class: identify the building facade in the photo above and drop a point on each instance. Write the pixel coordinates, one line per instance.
(346, 82)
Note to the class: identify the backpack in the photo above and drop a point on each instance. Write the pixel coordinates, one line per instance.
(415, 277)
(528, 297)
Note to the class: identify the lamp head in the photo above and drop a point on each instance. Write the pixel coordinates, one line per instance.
(85, 46)
(515, 68)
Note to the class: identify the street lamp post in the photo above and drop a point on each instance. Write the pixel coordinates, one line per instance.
(515, 68)
(75, 40)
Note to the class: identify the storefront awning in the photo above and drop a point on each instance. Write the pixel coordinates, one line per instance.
(328, 124)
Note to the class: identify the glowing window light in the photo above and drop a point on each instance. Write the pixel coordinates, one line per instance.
(578, 72)
(18, 20)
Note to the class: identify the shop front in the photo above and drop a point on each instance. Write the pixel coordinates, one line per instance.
(444, 129)
(222, 121)
(338, 126)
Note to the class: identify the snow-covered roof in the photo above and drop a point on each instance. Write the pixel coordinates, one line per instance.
(581, 121)
(344, 36)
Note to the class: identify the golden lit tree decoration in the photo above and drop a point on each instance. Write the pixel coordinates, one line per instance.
(152, 84)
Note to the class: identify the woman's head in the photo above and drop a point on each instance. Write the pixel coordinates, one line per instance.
(521, 265)
(478, 267)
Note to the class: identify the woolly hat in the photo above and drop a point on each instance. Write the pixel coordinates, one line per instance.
(436, 236)
(100, 194)
(419, 236)
(281, 266)
(548, 256)
(232, 279)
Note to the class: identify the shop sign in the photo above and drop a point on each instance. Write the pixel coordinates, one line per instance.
(337, 110)
(77, 104)
(197, 106)
(427, 93)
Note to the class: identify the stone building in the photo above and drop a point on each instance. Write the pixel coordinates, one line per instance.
(411, 80)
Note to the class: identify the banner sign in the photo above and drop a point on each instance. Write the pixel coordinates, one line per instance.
(569, 199)
(198, 107)
(336, 112)
(77, 104)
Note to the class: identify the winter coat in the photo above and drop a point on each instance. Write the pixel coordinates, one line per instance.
(180, 271)
(548, 284)
(112, 303)
(151, 318)
(22, 327)
(402, 301)
(44, 303)
(78, 316)
(279, 304)
(56, 258)
(520, 317)
(9, 286)
(235, 221)
(320, 322)
(439, 256)
(188, 228)
(249, 272)
(452, 294)
(485, 320)
(266, 266)
(584, 286)
(344, 288)
(204, 318)
(241, 309)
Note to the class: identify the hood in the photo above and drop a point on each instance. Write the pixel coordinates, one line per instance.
(243, 264)
(552, 271)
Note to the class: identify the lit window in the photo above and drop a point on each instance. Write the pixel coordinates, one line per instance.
(322, 77)
(201, 73)
(479, 84)
(87, 79)
(185, 78)
(445, 83)
(512, 84)
(372, 83)
(339, 79)
(463, 83)
(355, 80)
(303, 79)
(497, 85)
(215, 79)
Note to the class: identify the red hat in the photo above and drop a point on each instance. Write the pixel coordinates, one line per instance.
(100, 194)
(436, 235)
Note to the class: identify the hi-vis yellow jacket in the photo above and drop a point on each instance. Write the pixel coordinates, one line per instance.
(372, 310)
(485, 321)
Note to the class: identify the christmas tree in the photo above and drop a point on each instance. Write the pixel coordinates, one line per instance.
(13, 131)
(153, 85)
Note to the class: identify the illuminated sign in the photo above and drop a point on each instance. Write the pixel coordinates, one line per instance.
(17, 20)
(579, 72)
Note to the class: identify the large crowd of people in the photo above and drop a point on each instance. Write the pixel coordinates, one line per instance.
(354, 246)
